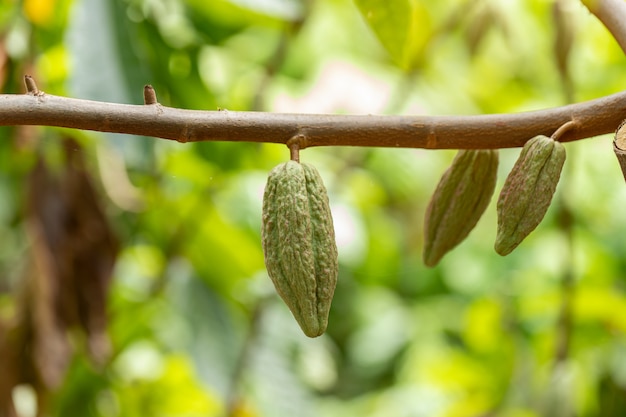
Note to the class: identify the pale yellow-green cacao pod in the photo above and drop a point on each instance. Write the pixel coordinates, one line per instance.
(460, 199)
(299, 243)
(528, 191)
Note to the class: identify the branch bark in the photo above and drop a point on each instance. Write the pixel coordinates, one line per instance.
(592, 118)
(619, 147)
(612, 14)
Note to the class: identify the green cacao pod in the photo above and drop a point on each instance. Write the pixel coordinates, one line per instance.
(528, 191)
(299, 243)
(460, 199)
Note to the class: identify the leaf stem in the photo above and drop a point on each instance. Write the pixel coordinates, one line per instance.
(565, 127)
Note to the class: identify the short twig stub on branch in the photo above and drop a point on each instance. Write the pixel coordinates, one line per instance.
(149, 95)
(31, 86)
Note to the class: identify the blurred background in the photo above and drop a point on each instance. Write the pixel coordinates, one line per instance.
(132, 280)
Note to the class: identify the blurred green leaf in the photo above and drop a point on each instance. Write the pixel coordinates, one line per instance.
(402, 26)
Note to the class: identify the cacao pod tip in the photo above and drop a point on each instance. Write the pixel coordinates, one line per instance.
(430, 260)
(502, 249)
(312, 331)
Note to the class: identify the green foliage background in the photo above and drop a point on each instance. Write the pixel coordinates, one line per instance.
(196, 327)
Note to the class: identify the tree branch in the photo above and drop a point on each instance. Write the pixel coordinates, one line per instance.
(493, 131)
(619, 147)
(612, 14)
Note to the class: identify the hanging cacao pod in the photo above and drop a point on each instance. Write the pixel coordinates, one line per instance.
(299, 243)
(527, 191)
(460, 199)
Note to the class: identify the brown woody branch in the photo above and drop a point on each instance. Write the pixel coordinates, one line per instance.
(591, 118)
(619, 146)
(612, 14)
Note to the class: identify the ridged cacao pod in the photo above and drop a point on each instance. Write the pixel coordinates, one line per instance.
(299, 243)
(460, 199)
(527, 191)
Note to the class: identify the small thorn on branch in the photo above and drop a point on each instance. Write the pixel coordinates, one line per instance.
(31, 86)
(149, 95)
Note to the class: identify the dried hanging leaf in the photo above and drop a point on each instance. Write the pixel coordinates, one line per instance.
(46, 217)
(93, 246)
(72, 252)
(479, 26)
(11, 372)
(563, 41)
(564, 35)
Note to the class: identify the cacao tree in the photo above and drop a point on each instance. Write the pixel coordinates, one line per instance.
(143, 232)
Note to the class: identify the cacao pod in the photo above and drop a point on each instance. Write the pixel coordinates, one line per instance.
(460, 199)
(528, 191)
(299, 243)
